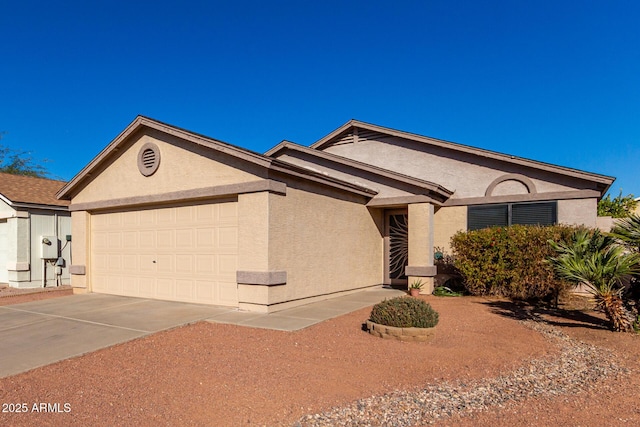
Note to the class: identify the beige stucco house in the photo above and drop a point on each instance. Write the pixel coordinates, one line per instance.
(29, 213)
(166, 213)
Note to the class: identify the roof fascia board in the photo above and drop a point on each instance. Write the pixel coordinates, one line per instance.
(6, 200)
(521, 161)
(294, 170)
(536, 197)
(388, 202)
(365, 167)
(19, 205)
(142, 121)
(229, 149)
(207, 142)
(318, 144)
(86, 171)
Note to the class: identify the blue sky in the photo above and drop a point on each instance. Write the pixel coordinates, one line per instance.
(555, 81)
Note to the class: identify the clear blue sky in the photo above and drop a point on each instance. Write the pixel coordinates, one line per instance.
(556, 81)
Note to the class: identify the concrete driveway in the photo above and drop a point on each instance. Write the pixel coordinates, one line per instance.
(38, 333)
(42, 332)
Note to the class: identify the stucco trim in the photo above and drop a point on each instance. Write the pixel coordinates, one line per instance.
(604, 180)
(417, 271)
(198, 193)
(262, 278)
(23, 214)
(557, 195)
(18, 266)
(79, 270)
(389, 202)
(295, 302)
(531, 187)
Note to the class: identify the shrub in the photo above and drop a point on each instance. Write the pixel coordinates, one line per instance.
(443, 291)
(510, 261)
(618, 207)
(404, 312)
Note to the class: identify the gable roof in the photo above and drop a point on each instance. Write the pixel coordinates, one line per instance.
(140, 122)
(437, 190)
(27, 190)
(603, 181)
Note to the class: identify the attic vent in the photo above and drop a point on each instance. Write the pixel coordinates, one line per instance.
(148, 159)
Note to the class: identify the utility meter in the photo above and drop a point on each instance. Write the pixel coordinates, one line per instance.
(50, 246)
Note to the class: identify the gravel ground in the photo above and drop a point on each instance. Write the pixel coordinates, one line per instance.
(485, 367)
(576, 368)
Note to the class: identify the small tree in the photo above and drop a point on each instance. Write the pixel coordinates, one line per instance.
(618, 207)
(18, 162)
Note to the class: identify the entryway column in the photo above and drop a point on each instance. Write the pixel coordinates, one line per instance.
(421, 246)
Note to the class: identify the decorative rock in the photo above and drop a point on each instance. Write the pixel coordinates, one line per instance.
(402, 334)
(577, 367)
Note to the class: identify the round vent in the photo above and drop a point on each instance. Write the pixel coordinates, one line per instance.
(148, 159)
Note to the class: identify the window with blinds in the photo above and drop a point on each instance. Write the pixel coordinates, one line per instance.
(537, 213)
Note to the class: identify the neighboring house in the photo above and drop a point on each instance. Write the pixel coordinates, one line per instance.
(166, 213)
(29, 211)
(637, 209)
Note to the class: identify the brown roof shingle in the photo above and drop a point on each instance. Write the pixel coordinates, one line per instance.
(27, 189)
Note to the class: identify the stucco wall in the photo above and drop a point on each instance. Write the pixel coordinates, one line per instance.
(183, 166)
(6, 211)
(447, 222)
(465, 174)
(325, 244)
(578, 212)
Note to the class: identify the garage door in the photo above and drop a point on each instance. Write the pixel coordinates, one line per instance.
(184, 253)
(4, 249)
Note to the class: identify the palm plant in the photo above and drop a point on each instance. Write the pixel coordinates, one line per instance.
(627, 231)
(598, 262)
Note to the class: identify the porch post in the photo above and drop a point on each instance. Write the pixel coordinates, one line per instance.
(421, 265)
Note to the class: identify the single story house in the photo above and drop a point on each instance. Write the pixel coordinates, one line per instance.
(29, 213)
(166, 213)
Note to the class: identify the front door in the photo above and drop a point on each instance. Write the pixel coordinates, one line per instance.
(396, 246)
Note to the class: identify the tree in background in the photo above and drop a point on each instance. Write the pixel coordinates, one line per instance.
(20, 162)
(618, 207)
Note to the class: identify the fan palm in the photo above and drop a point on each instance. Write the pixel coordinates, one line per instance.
(601, 264)
(627, 231)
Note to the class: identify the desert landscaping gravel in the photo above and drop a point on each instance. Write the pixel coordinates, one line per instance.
(485, 367)
(575, 368)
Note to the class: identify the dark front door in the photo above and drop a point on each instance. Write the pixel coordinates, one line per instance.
(396, 246)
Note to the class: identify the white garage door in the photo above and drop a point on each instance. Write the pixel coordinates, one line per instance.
(4, 248)
(185, 253)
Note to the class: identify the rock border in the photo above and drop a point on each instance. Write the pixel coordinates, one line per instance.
(401, 334)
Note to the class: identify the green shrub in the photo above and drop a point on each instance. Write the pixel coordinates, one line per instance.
(404, 312)
(443, 291)
(510, 261)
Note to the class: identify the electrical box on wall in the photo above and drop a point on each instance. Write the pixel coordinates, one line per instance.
(50, 246)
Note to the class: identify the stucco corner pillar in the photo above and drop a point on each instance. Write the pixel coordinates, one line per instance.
(80, 250)
(18, 250)
(420, 265)
(257, 282)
